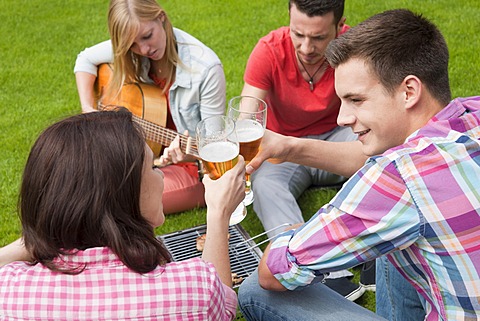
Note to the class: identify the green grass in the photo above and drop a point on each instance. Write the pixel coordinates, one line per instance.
(39, 41)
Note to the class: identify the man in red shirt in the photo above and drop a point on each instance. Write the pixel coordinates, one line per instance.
(287, 68)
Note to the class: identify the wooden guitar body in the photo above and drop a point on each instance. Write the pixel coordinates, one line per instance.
(148, 105)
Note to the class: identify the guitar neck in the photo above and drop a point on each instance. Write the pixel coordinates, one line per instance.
(165, 136)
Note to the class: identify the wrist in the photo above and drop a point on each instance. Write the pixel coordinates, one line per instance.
(290, 145)
(218, 218)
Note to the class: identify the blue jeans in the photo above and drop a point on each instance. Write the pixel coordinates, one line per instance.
(277, 187)
(396, 298)
(316, 302)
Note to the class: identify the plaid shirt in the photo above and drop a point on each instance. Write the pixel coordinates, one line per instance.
(419, 203)
(108, 290)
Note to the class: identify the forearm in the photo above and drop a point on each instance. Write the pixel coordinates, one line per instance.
(341, 158)
(222, 197)
(216, 248)
(14, 251)
(85, 82)
(265, 276)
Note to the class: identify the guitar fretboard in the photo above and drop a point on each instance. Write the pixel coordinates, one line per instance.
(162, 135)
(165, 136)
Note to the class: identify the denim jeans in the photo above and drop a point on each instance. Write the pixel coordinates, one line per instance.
(277, 187)
(396, 298)
(316, 302)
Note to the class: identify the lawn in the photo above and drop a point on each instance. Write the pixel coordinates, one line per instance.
(39, 41)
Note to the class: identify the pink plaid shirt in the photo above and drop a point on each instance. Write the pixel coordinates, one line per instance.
(108, 290)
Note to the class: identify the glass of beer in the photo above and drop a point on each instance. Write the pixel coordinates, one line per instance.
(250, 115)
(218, 148)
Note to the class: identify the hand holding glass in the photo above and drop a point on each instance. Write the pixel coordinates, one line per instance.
(250, 115)
(218, 148)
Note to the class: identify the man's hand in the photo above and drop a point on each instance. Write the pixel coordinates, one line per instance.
(273, 148)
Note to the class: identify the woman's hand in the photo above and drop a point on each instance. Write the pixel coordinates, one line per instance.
(224, 194)
(222, 197)
(173, 154)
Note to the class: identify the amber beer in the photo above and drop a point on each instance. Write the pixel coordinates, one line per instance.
(219, 157)
(250, 134)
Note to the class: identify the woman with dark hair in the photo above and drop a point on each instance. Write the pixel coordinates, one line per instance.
(88, 206)
(146, 48)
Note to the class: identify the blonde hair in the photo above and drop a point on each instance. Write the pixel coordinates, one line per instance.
(124, 18)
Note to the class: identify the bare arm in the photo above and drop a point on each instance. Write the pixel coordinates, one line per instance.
(86, 70)
(342, 158)
(222, 197)
(14, 251)
(85, 82)
(249, 90)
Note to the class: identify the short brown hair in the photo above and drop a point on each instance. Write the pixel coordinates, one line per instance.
(395, 44)
(314, 8)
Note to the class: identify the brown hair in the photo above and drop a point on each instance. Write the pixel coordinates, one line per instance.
(124, 18)
(314, 8)
(81, 189)
(395, 44)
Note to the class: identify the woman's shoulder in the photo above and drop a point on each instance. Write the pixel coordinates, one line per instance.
(15, 267)
(195, 269)
(196, 263)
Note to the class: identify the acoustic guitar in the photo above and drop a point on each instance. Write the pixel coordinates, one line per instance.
(148, 106)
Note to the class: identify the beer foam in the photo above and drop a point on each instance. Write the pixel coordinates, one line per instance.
(219, 152)
(248, 130)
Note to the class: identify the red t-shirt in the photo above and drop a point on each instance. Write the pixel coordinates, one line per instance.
(293, 109)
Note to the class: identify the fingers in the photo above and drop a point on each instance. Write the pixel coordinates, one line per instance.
(255, 162)
(237, 172)
(161, 161)
(225, 193)
(173, 153)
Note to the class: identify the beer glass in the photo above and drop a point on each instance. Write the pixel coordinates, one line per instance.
(218, 148)
(250, 115)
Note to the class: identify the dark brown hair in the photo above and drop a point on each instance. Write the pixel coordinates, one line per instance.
(395, 44)
(81, 189)
(314, 8)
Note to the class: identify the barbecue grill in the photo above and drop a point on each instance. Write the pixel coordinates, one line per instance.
(244, 253)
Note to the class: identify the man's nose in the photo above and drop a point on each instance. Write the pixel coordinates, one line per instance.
(345, 116)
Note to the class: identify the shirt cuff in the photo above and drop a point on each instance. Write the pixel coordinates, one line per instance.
(284, 267)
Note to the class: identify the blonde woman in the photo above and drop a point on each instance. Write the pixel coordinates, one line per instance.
(145, 47)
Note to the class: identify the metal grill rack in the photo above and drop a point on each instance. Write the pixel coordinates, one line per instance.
(244, 253)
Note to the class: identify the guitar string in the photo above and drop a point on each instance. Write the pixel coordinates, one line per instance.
(169, 136)
(164, 135)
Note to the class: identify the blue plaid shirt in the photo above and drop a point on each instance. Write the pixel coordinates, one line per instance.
(418, 203)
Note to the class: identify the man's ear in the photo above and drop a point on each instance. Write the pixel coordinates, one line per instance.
(412, 87)
(340, 25)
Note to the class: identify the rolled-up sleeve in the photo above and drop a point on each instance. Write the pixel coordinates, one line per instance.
(372, 215)
(90, 58)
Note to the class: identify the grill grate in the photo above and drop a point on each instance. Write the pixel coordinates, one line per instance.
(244, 255)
